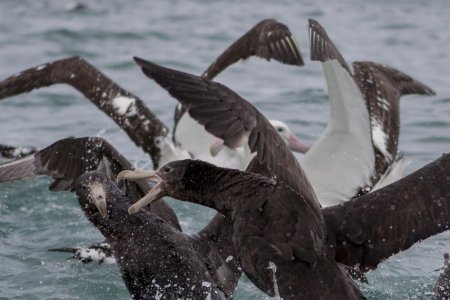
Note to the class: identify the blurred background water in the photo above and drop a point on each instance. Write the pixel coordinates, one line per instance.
(409, 35)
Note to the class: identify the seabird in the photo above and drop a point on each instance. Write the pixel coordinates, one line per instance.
(278, 227)
(268, 39)
(359, 145)
(441, 289)
(273, 242)
(156, 260)
(68, 159)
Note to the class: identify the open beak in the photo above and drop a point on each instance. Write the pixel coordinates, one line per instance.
(216, 147)
(98, 197)
(296, 145)
(154, 194)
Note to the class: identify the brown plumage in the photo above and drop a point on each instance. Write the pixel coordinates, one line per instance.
(382, 86)
(276, 218)
(68, 159)
(156, 260)
(369, 229)
(268, 39)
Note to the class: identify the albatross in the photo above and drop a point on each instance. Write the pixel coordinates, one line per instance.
(287, 245)
(357, 152)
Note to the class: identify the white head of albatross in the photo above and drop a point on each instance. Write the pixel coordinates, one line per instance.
(294, 143)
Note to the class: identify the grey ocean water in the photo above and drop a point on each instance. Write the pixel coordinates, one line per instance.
(412, 36)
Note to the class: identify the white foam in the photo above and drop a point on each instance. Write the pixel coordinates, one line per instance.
(123, 103)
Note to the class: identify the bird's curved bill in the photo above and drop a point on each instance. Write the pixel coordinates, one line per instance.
(155, 193)
(97, 196)
(296, 145)
(216, 147)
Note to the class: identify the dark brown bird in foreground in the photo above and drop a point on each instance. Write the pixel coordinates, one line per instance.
(68, 159)
(277, 223)
(156, 260)
(278, 228)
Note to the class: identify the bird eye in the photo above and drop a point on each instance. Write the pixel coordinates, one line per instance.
(279, 129)
(167, 169)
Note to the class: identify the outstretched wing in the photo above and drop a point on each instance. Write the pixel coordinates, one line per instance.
(342, 160)
(322, 47)
(268, 39)
(382, 86)
(67, 159)
(229, 117)
(377, 225)
(126, 109)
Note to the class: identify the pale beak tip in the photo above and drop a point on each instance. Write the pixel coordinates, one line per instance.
(132, 210)
(216, 147)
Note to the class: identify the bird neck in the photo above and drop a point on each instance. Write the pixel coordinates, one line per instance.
(220, 188)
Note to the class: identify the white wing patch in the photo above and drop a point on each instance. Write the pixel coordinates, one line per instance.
(380, 138)
(124, 105)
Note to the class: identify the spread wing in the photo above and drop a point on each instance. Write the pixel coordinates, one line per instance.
(268, 39)
(67, 159)
(237, 122)
(126, 109)
(377, 225)
(322, 47)
(382, 86)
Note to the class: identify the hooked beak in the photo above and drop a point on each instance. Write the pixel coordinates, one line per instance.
(154, 194)
(98, 197)
(296, 145)
(216, 147)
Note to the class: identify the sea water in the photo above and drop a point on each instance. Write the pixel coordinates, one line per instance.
(187, 35)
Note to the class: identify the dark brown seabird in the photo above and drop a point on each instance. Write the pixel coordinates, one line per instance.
(155, 259)
(277, 199)
(268, 39)
(68, 159)
(277, 223)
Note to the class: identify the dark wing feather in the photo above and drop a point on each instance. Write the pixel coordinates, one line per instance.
(375, 226)
(382, 87)
(322, 47)
(214, 243)
(67, 159)
(207, 101)
(268, 39)
(138, 121)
